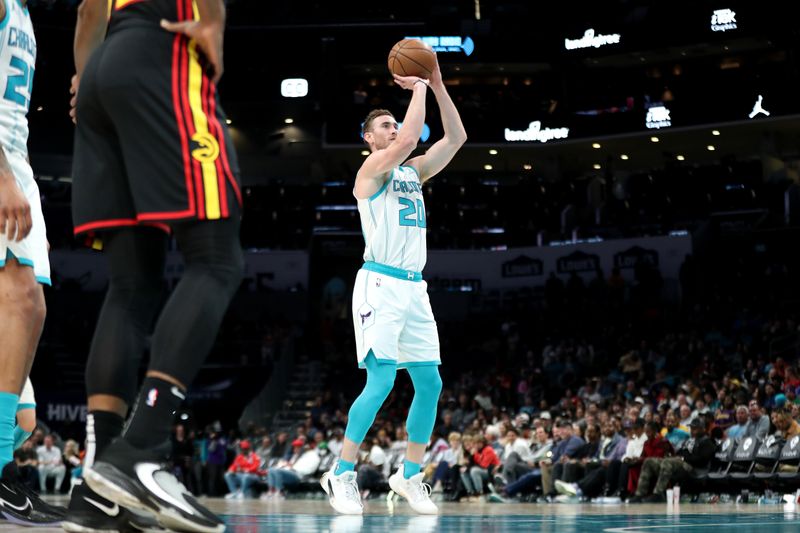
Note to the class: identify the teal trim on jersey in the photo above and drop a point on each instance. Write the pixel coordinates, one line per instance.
(4, 22)
(21, 260)
(399, 273)
(383, 188)
(25, 262)
(22, 406)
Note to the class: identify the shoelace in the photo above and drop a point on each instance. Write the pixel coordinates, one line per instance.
(422, 491)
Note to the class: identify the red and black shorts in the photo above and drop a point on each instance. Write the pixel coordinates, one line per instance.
(151, 144)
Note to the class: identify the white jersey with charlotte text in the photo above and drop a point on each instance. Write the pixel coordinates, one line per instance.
(17, 65)
(394, 223)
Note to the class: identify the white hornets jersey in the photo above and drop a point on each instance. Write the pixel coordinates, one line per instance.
(393, 222)
(17, 64)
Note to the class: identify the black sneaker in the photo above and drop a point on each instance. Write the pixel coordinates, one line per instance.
(91, 513)
(139, 479)
(20, 505)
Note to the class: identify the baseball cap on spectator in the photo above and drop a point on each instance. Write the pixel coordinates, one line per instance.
(245, 445)
(545, 415)
(298, 442)
(638, 399)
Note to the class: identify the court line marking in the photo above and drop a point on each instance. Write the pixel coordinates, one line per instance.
(635, 529)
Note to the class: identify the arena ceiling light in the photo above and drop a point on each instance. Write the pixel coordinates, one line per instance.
(596, 146)
(624, 157)
(680, 158)
(715, 133)
(711, 147)
(288, 121)
(492, 152)
(654, 139)
(527, 166)
(365, 152)
(597, 166)
(487, 167)
(228, 121)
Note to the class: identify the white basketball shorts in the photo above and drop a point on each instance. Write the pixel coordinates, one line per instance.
(393, 318)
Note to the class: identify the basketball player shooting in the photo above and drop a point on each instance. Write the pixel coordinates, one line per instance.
(393, 320)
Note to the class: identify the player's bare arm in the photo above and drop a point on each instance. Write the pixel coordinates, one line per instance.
(207, 32)
(441, 153)
(15, 211)
(90, 30)
(373, 172)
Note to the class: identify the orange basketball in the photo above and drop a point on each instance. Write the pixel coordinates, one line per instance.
(412, 57)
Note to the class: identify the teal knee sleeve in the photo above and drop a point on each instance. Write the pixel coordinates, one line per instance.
(20, 436)
(380, 380)
(422, 415)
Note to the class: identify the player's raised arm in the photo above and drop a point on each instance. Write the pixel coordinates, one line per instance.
(373, 171)
(442, 152)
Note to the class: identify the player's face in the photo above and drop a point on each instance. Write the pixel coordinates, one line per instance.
(384, 131)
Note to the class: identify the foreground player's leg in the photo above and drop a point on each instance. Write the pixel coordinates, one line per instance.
(407, 481)
(340, 482)
(131, 470)
(136, 259)
(22, 313)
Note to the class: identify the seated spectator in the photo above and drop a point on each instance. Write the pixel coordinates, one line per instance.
(785, 425)
(484, 461)
(243, 473)
(264, 450)
(737, 430)
(694, 457)
(73, 461)
(585, 458)
(553, 467)
(675, 434)
(51, 465)
(612, 449)
(371, 475)
(758, 425)
(446, 470)
(517, 458)
(529, 481)
(287, 474)
(27, 461)
(654, 448)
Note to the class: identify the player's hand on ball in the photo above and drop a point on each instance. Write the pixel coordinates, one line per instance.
(408, 82)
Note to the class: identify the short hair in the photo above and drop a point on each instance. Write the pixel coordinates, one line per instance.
(372, 115)
(455, 435)
(638, 423)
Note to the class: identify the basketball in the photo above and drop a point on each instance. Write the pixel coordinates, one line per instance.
(412, 57)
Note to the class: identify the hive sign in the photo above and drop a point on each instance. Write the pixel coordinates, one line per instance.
(536, 133)
(447, 43)
(590, 40)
